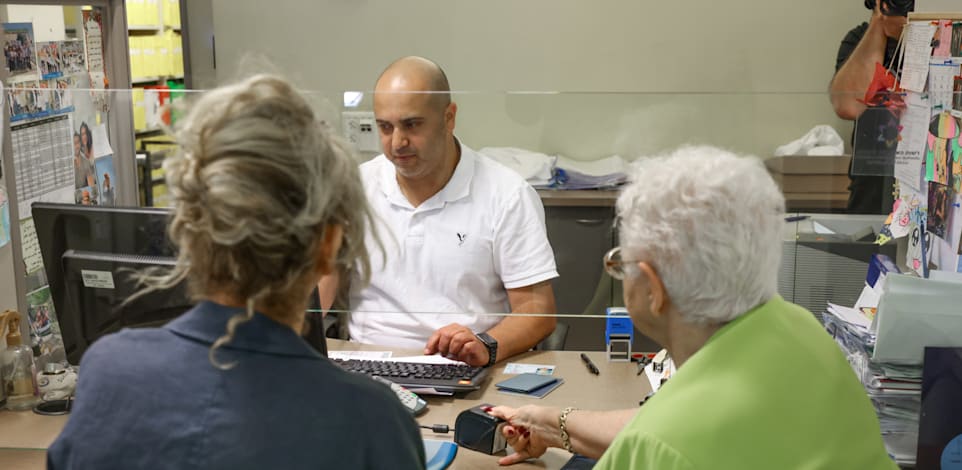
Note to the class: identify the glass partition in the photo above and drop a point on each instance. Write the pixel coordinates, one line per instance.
(576, 149)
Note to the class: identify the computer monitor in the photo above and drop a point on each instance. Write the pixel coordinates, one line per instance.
(90, 253)
(940, 413)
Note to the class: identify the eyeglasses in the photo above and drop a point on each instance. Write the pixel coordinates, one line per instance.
(616, 266)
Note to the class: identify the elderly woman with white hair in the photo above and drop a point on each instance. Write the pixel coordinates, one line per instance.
(760, 384)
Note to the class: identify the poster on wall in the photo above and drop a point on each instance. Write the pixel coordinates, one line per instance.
(19, 51)
(48, 57)
(32, 258)
(36, 100)
(44, 327)
(96, 68)
(72, 57)
(106, 179)
(43, 162)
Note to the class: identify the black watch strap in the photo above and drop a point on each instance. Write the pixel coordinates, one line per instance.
(492, 345)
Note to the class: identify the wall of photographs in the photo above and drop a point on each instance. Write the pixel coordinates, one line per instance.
(56, 103)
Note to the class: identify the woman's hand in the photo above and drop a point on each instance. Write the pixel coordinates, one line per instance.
(530, 431)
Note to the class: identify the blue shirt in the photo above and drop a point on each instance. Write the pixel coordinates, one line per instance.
(150, 398)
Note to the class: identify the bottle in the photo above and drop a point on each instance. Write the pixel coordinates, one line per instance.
(18, 370)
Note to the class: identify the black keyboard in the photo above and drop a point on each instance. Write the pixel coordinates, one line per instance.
(442, 377)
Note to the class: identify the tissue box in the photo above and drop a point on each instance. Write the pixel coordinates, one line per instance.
(811, 183)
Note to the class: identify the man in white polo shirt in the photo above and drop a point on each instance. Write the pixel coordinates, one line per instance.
(463, 235)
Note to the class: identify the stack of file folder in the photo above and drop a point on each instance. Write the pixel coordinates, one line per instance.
(886, 350)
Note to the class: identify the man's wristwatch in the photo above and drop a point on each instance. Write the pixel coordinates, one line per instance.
(492, 345)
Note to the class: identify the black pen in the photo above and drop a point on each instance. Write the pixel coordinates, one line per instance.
(590, 365)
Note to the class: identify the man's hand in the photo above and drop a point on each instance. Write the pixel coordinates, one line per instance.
(457, 342)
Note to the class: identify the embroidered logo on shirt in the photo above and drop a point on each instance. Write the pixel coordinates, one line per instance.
(461, 238)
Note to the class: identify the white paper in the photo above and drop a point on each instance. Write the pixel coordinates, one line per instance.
(821, 229)
(941, 78)
(31, 247)
(100, 142)
(654, 378)
(850, 315)
(97, 279)
(64, 194)
(359, 355)
(432, 359)
(913, 255)
(917, 48)
(867, 299)
(518, 368)
(910, 153)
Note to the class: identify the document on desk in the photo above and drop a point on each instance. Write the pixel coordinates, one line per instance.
(850, 315)
(432, 359)
(518, 368)
(667, 369)
(359, 355)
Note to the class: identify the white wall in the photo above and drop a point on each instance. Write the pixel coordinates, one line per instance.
(48, 22)
(658, 53)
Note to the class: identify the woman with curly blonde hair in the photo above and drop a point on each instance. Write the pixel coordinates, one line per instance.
(266, 201)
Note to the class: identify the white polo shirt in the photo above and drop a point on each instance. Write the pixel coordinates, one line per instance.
(451, 257)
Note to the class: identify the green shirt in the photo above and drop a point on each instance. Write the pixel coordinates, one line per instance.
(769, 390)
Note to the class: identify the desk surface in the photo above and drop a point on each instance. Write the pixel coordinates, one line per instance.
(25, 436)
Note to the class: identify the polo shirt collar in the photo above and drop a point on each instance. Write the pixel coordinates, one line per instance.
(458, 187)
(207, 322)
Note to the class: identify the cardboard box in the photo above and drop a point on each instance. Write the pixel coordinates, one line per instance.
(809, 165)
(812, 183)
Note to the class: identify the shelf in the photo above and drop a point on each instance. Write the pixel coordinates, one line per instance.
(143, 80)
(145, 28)
(154, 80)
(148, 132)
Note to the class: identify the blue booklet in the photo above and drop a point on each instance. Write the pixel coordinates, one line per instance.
(539, 392)
(439, 454)
(525, 383)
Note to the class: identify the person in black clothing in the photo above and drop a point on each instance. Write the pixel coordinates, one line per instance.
(865, 45)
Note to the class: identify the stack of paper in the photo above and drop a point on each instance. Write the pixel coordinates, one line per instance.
(535, 168)
(557, 172)
(605, 173)
(895, 389)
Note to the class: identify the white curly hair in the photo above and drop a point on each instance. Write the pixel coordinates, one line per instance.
(710, 223)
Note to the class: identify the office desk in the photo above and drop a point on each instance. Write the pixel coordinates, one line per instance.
(25, 436)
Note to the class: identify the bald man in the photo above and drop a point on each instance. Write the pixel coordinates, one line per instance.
(462, 234)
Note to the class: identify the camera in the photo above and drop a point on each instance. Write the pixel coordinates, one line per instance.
(893, 7)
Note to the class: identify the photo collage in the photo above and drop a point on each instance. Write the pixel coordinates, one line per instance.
(42, 74)
(94, 177)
